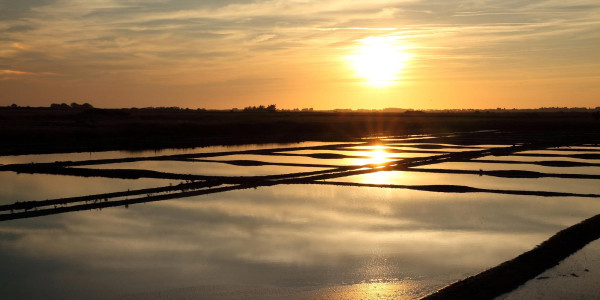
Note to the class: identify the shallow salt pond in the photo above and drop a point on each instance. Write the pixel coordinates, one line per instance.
(294, 241)
(533, 158)
(305, 159)
(593, 148)
(45, 158)
(476, 166)
(566, 185)
(32, 187)
(205, 168)
(309, 241)
(558, 152)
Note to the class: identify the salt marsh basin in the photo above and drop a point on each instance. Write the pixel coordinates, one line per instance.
(309, 220)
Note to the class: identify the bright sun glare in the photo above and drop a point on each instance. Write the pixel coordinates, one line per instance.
(379, 60)
(378, 157)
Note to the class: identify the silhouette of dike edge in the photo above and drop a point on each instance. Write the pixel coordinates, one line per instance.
(513, 273)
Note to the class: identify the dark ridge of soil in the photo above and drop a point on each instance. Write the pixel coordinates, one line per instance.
(333, 156)
(241, 162)
(261, 163)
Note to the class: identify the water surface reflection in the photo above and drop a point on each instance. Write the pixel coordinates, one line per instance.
(566, 185)
(308, 241)
(32, 187)
(291, 241)
(205, 168)
(475, 166)
(532, 158)
(45, 158)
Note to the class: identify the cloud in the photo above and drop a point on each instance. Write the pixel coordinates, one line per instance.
(143, 42)
(6, 74)
(13, 72)
(12, 10)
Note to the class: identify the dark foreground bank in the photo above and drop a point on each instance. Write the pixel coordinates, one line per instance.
(46, 130)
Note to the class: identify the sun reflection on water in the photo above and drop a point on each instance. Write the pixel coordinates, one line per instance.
(375, 155)
(381, 177)
(378, 156)
(376, 289)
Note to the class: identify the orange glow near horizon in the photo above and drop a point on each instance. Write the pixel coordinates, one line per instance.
(300, 54)
(379, 60)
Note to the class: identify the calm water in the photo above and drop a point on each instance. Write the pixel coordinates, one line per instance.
(28, 187)
(205, 168)
(307, 241)
(586, 186)
(475, 166)
(40, 158)
(288, 237)
(308, 160)
(536, 158)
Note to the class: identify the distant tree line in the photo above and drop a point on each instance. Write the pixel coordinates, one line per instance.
(261, 108)
(169, 108)
(64, 106)
(304, 109)
(71, 106)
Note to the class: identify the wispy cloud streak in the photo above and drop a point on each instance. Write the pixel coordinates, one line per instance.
(185, 43)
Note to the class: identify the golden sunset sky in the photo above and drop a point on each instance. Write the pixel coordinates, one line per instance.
(302, 53)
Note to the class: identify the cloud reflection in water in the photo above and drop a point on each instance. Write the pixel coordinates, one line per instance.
(301, 240)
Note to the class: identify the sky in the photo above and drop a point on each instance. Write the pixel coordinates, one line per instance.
(218, 54)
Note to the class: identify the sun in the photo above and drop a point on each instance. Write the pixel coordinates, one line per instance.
(379, 60)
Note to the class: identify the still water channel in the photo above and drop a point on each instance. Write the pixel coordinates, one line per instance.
(307, 241)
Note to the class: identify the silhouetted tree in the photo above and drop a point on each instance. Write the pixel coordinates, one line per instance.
(59, 106)
(261, 108)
